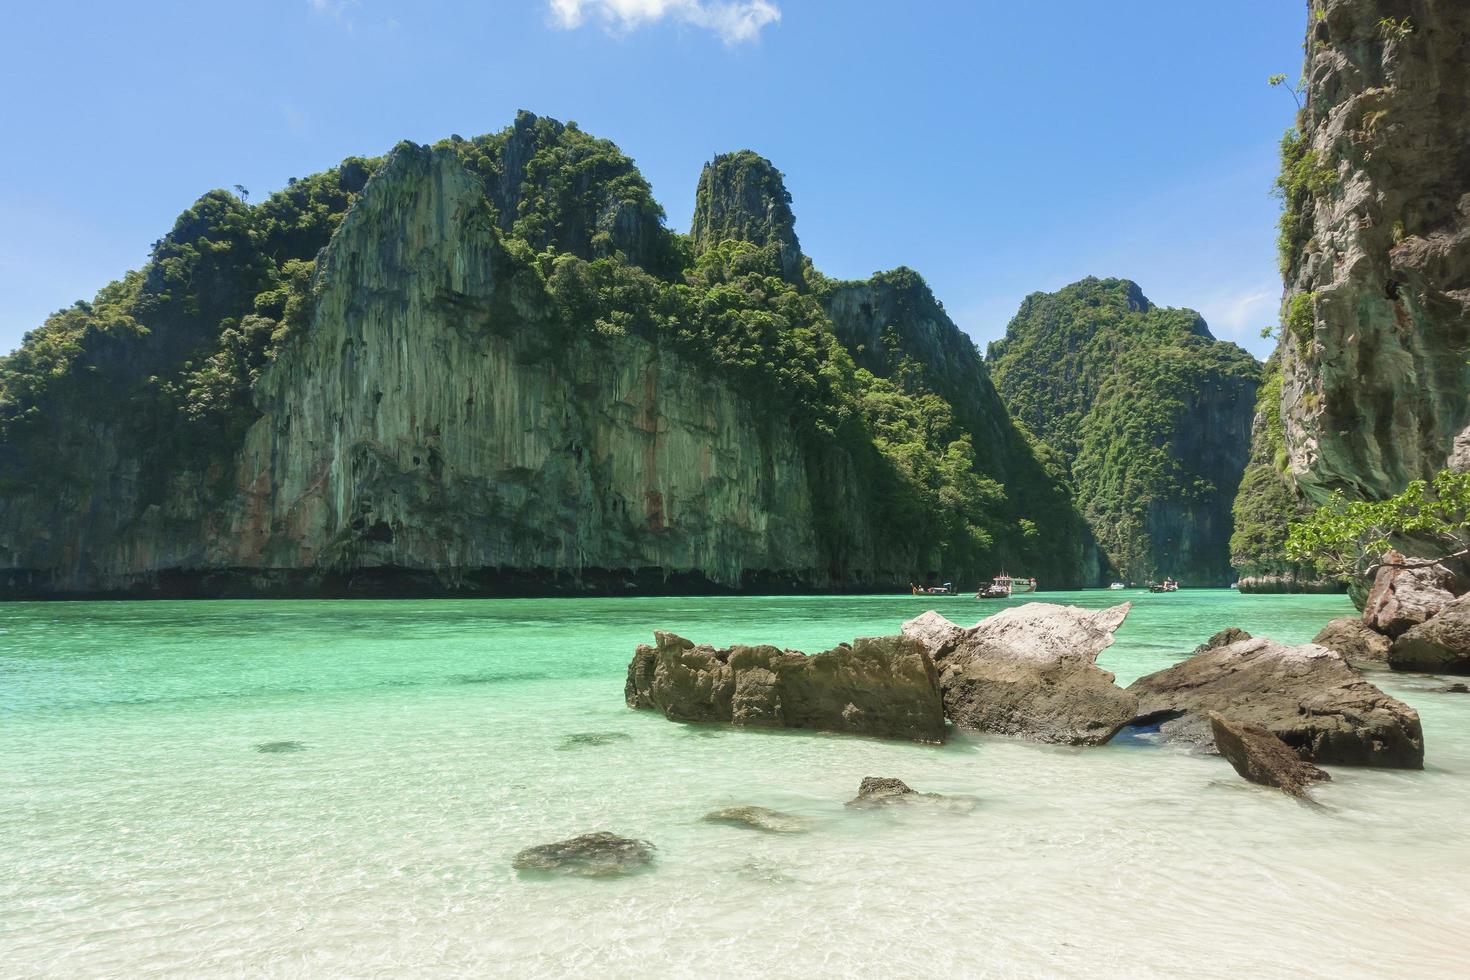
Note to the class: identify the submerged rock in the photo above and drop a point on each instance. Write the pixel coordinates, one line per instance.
(1355, 640)
(1454, 689)
(599, 855)
(1263, 758)
(271, 748)
(1030, 671)
(1439, 646)
(877, 791)
(760, 818)
(580, 740)
(1402, 598)
(884, 687)
(1306, 695)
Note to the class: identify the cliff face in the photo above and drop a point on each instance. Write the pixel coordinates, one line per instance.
(1376, 247)
(409, 429)
(1151, 414)
(894, 327)
(477, 388)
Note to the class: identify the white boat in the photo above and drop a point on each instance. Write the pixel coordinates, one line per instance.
(1117, 586)
(1016, 583)
(1004, 586)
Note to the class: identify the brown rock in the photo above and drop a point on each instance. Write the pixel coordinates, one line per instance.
(1263, 758)
(1227, 636)
(1402, 598)
(882, 791)
(1306, 695)
(884, 687)
(1355, 640)
(1439, 646)
(1030, 671)
(599, 855)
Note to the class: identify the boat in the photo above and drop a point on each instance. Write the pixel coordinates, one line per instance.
(1117, 587)
(1167, 585)
(947, 589)
(1004, 586)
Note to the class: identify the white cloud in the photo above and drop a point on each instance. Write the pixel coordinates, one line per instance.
(1242, 314)
(332, 8)
(733, 20)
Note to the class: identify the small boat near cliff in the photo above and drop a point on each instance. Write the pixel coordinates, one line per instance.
(947, 589)
(1167, 585)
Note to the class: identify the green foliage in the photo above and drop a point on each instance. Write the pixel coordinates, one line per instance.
(1301, 320)
(1395, 30)
(1267, 500)
(1279, 81)
(222, 290)
(1304, 177)
(743, 197)
(555, 187)
(1345, 536)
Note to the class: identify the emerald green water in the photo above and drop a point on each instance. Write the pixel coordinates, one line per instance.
(338, 787)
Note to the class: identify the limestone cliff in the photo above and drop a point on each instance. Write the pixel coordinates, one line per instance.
(1376, 246)
(408, 428)
(476, 369)
(1151, 414)
(895, 328)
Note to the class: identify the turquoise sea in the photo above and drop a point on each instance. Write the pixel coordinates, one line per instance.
(337, 789)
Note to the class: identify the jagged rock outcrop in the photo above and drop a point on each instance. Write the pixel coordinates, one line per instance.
(742, 197)
(884, 686)
(1263, 758)
(1357, 642)
(1376, 244)
(1030, 671)
(1440, 645)
(1403, 596)
(1306, 695)
(1150, 413)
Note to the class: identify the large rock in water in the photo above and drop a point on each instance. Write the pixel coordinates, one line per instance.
(884, 686)
(1358, 642)
(1031, 671)
(1306, 695)
(1263, 758)
(1403, 597)
(1441, 645)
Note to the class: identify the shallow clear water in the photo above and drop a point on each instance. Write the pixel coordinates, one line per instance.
(338, 788)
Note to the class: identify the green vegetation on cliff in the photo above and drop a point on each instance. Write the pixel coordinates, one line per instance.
(1151, 413)
(1267, 500)
(158, 376)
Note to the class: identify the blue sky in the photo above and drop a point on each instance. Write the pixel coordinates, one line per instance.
(998, 148)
